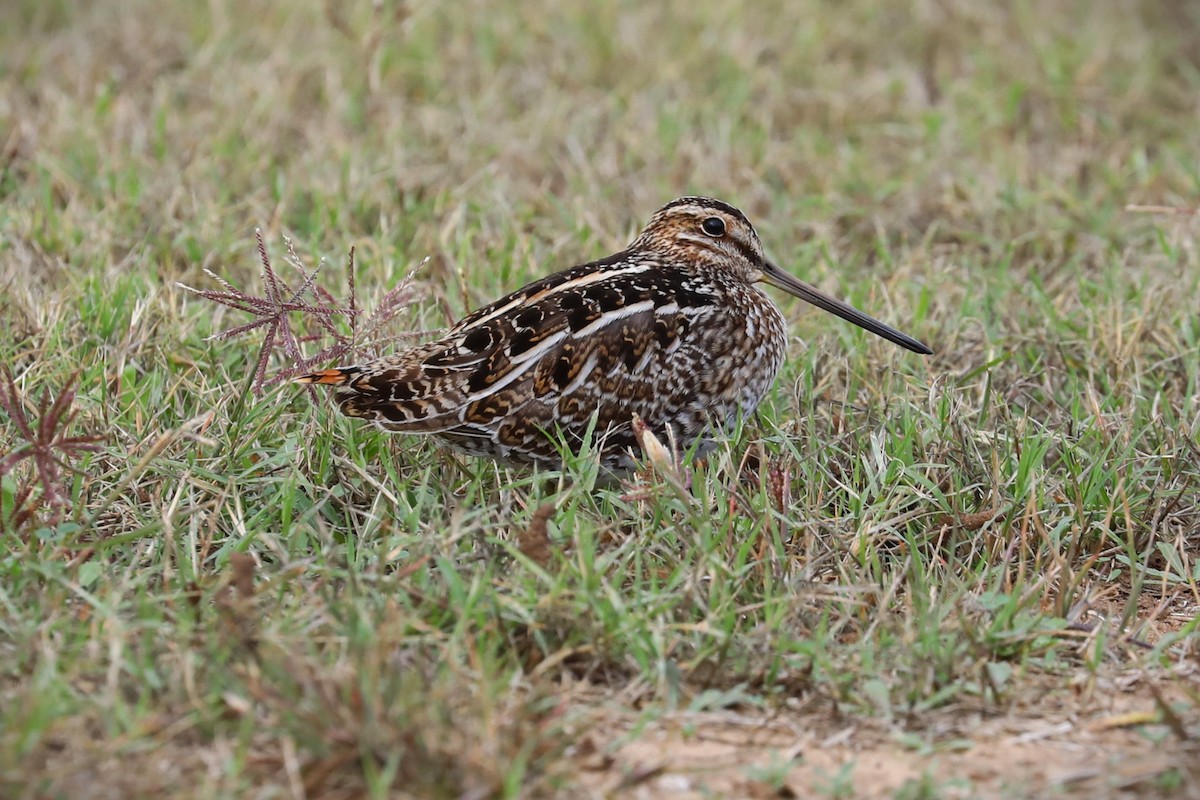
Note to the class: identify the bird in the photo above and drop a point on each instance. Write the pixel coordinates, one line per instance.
(673, 329)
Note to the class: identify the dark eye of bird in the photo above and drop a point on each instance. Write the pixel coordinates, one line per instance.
(713, 226)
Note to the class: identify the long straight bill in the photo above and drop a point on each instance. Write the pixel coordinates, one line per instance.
(810, 294)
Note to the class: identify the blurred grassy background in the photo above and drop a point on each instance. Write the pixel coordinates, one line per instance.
(959, 169)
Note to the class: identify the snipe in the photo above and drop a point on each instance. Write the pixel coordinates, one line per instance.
(672, 329)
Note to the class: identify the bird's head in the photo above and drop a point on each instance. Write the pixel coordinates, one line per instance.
(711, 234)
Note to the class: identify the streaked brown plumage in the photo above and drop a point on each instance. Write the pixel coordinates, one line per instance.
(672, 329)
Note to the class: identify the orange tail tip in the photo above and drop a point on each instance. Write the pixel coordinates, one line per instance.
(329, 377)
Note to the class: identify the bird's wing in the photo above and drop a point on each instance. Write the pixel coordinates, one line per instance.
(592, 340)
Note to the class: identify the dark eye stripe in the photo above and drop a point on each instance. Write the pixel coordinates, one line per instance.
(745, 250)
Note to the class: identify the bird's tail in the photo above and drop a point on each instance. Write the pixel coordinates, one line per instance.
(328, 377)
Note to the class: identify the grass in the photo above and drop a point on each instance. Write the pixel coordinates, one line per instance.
(969, 575)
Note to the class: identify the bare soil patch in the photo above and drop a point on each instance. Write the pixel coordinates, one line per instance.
(1103, 737)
